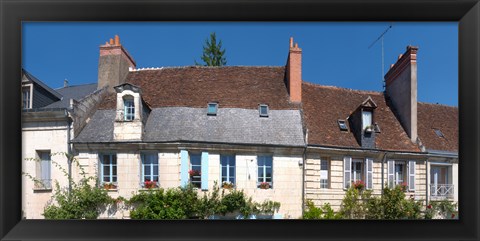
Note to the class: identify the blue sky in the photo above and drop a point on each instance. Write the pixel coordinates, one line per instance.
(334, 54)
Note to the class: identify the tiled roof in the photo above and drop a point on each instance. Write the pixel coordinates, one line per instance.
(440, 117)
(231, 125)
(232, 87)
(76, 92)
(324, 105)
(41, 84)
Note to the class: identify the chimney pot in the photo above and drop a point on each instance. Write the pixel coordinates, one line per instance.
(296, 45)
(65, 83)
(111, 41)
(291, 42)
(294, 72)
(117, 40)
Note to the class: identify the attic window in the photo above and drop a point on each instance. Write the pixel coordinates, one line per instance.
(343, 125)
(212, 108)
(263, 109)
(129, 108)
(439, 133)
(366, 119)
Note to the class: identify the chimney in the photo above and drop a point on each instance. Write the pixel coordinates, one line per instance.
(113, 64)
(401, 90)
(65, 83)
(294, 72)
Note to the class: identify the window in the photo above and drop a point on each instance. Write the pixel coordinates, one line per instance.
(227, 163)
(26, 98)
(324, 166)
(366, 119)
(44, 171)
(357, 170)
(441, 182)
(149, 168)
(108, 168)
(195, 170)
(343, 125)
(212, 108)
(399, 177)
(129, 106)
(439, 133)
(265, 172)
(263, 109)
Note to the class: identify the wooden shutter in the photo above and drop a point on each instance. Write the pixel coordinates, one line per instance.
(369, 173)
(347, 172)
(184, 167)
(391, 173)
(411, 175)
(204, 171)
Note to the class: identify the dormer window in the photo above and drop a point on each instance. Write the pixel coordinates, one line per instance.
(367, 120)
(129, 108)
(212, 108)
(263, 109)
(26, 98)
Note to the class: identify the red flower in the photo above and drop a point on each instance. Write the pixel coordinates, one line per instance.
(429, 206)
(453, 215)
(194, 173)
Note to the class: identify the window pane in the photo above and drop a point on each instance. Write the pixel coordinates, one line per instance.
(114, 170)
(155, 170)
(106, 179)
(232, 171)
(260, 172)
(366, 119)
(147, 170)
(114, 159)
(114, 179)
(232, 179)
(195, 159)
(261, 161)
(106, 170)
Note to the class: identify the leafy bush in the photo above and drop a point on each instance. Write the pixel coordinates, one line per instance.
(323, 212)
(354, 203)
(83, 201)
(393, 205)
(441, 209)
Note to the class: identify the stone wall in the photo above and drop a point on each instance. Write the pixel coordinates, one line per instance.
(335, 193)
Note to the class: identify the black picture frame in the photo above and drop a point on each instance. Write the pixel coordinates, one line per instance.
(13, 12)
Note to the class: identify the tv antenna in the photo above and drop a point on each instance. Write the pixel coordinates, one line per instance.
(374, 42)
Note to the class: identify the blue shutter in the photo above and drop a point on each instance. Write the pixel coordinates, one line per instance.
(184, 166)
(204, 170)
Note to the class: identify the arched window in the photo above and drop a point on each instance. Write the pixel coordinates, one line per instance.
(129, 108)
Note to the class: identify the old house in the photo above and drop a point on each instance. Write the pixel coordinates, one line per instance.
(261, 128)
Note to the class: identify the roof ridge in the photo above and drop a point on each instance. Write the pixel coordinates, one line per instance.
(64, 87)
(437, 104)
(203, 67)
(343, 88)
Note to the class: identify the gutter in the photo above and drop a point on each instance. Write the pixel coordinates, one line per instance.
(327, 148)
(383, 171)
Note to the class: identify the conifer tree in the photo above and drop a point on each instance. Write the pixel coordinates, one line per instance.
(213, 55)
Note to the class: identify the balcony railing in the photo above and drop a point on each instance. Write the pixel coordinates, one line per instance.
(441, 191)
(43, 184)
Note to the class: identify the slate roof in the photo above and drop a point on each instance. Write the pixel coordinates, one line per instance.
(41, 84)
(443, 118)
(231, 125)
(193, 86)
(76, 92)
(324, 105)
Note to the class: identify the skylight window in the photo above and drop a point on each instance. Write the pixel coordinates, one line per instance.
(343, 125)
(439, 133)
(212, 108)
(263, 109)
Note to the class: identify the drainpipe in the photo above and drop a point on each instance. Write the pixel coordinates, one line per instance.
(304, 156)
(426, 181)
(69, 154)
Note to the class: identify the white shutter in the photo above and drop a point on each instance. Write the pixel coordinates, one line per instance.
(347, 171)
(411, 175)
(369, 173)
(391, 173)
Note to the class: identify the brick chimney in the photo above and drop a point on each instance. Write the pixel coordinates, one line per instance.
(113, 64)
(401, 90)
(294, 72)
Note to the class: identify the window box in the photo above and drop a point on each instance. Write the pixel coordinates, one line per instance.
(110, 186)
(264, 185)
(227, 185)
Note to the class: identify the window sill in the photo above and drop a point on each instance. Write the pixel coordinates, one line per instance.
(39, 189)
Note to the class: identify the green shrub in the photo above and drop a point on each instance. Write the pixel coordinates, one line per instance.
(354, 203)
(441, 209)
(323, 212)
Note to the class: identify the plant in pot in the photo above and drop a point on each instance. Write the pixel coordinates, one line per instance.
(359, 185)
(150, 184)
(264, 185)
(194, 173)
(227, 185)
(109, 185)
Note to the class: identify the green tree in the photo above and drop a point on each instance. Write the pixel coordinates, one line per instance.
(213, 55)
